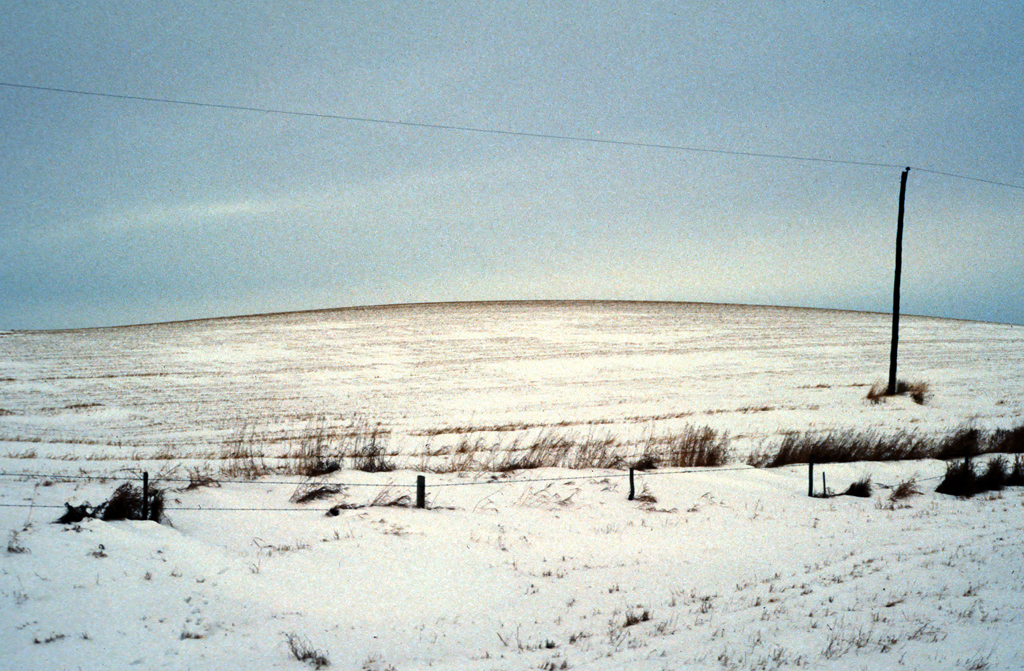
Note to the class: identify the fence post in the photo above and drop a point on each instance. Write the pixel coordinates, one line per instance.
(145, 495)
(824, 485)
(810, 478)
(421, 491)
(632, 486)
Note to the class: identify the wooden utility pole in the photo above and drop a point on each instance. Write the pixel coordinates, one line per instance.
(891, 389)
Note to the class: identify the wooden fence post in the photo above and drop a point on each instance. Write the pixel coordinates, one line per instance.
(632, 486)
(145, 495)
(421, 491)
(810, 478)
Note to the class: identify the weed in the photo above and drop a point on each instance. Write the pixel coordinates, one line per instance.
(374, 663)
(49, 639)
(842, 447)
(243, 456)
(386, 498)
(634, 617)
(369, 453)
(303, 651)
(127, 503)
(696, 447)
(547, 451)
(959, 480)
(646, 496)
(964, 442)
(309, 491)
(904, 490)
(1007, 441)
(918, 391)
(14, 544)
(200, 477)
(1016, 477)
(978, 663)
(389, 498)
(318, 449)
(861, 488)
(995, 476)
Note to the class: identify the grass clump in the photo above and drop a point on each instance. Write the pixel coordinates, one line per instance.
(962, 480)
(309, 492)
(959, 480)
(918, 391)
(994, 478)
(128, 502)
(369, 454)
(861, 488)
(636, 617)
(317, 453)
(695, 447)
(904, 491)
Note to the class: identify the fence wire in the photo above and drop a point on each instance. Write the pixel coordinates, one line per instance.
(321, 480)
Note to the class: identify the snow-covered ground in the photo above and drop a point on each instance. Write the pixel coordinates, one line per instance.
(542, 569)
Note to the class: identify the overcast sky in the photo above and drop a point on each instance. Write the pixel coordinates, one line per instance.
(117, 211)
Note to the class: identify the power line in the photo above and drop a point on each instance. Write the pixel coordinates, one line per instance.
(489, 131)
(967, 177)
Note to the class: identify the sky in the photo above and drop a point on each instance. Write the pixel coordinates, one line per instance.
(120, 211)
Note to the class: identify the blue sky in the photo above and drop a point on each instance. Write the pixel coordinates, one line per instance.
(124, 211)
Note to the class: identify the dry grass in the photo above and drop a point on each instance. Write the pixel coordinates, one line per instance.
(319, 451)
(918, 391)
(200, 476)
(552, 449)
(370, 452)
(959, 480)
(843, 447)
(696, 447)
(904, 491)
(303, 651)
(962, 480)
(861, 488)
(1007, 441)
(243, 455)
(311, 491)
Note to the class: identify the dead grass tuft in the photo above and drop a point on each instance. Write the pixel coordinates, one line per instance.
(303, 651)
(861, 488)
(904, 491)
(311, 491)
(369, 454)
(959, 480)
(918, 391)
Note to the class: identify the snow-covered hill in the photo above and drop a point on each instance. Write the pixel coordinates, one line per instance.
(549, 568)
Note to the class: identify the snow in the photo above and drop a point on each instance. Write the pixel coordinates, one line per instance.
(728, 568)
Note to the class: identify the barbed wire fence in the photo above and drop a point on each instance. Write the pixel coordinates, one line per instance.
(420, 486)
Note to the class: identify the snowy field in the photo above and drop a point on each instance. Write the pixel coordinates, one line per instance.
(551, 568)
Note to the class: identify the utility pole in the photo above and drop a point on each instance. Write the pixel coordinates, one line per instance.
(891, 390)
